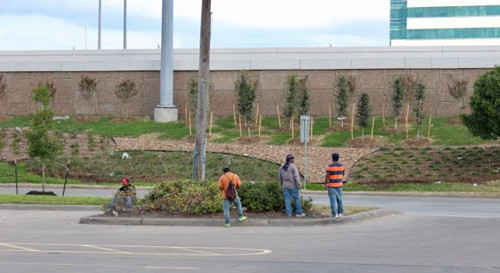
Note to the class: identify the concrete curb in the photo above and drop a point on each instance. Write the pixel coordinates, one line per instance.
(50, 207)
(100, 220)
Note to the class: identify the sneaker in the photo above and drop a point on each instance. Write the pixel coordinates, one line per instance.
(288, 215)
(300, 215)
(341, 215)
(242, 218)
(335, 216)
(227, 225)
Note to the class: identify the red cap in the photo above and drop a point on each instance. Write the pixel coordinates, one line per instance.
(125, 181)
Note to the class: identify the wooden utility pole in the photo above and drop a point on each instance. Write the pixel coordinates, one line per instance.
(200, 148)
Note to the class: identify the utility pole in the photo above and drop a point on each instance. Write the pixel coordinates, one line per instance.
(200, 148)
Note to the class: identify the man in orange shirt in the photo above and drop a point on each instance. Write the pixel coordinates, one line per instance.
(224, 180)
(334, 181)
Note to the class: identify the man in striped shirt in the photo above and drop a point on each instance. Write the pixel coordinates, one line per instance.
(334, 181)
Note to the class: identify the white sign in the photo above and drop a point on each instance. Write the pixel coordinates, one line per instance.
(305, 125)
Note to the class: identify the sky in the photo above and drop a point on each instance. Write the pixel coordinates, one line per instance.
(73, 24)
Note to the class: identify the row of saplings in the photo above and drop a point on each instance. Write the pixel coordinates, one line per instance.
(186, 197)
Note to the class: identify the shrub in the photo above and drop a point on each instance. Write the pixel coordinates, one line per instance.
(202, 197)
(262, 196)
(87, 86)
(184, 197)
(125, 90)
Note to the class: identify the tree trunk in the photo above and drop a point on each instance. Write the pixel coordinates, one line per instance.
(200, 148)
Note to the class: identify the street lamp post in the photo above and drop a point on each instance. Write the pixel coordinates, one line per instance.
(85, 28)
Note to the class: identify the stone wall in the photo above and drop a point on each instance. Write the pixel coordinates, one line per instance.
(377, 83)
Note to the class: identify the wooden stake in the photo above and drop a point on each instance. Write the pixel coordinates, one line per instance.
(210, 128)
(234, 116)
(292, 126)
(429, 127)
(330, 115)
(260, 124)
(312, 126)
(257, 116)
(189, 121)
(248, 128)
(279, 119)
(373, 126)
(352, 121)
(406, 119)
(239, 119)
(185, 115)
(383, 115)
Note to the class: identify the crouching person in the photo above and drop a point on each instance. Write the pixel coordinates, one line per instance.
(126, 194)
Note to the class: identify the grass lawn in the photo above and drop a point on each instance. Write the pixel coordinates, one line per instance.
(53, 200)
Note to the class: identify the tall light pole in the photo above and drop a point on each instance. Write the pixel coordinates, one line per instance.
(85, 28)
(99, 26)
(166, 110)
(124, 24)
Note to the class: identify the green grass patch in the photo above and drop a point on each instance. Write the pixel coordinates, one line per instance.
(53, 200)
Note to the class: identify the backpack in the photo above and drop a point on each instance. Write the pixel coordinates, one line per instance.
(231, 190)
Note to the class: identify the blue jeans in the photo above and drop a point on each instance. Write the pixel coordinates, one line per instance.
(128, 202)
(335, 195)
(226, 206)
(296, 199)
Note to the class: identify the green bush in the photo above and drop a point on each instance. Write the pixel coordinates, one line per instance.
(262, 196)
(184, 197)
(193, 197)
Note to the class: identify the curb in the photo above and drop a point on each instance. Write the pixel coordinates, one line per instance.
(101, 220)
(50, 207)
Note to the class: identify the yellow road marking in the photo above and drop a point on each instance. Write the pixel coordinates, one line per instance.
(104, 265)
(19, 247)
(108, 249)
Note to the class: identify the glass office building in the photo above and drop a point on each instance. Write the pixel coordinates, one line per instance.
(445, 22)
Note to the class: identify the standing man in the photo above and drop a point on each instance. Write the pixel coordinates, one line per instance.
(334, 181)
(224, 182)
(290, 182)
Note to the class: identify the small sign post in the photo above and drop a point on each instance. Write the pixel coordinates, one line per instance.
(305, 125)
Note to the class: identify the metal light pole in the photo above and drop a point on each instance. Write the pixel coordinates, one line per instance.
(304, 137)
(85, 27)
(124, 24)
(166, 111)
(99, 27)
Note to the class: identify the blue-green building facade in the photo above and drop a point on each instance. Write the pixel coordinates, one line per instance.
(445, 22)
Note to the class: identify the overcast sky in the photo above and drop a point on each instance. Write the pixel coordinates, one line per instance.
(62, 24)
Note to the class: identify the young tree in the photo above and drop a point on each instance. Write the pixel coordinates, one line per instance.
(419, 107)
(304, 99)
(484, 121)
(245, 87)
(193, 95)
(3, 86)
(364, 112)
(397, 99)
(291, 96)
(342, 97)
(41, 143)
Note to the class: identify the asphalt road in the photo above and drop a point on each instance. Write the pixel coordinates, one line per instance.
(435, 234)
